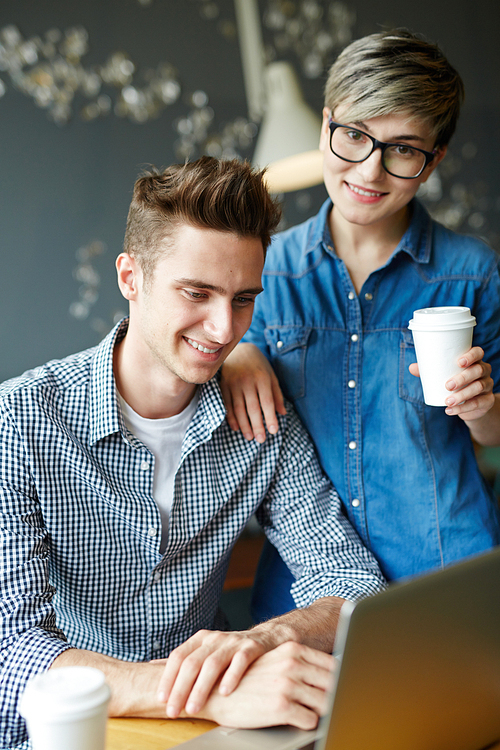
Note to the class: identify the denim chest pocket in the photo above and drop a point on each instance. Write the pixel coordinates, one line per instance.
(410, 387)
(288, 347)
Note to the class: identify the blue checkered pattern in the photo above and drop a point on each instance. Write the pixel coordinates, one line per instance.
(80, 530)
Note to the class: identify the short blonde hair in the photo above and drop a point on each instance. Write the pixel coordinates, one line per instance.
(396, 72)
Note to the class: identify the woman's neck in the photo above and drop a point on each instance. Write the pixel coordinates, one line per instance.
(365, 248)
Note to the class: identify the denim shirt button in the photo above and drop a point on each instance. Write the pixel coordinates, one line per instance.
(355, 503)
(279, 345)
(353, 445)
(351, 384)
(368, 296)
(351, 295)
(354, 337)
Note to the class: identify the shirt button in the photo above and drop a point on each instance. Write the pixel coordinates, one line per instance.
(351, 295)
(352, 384)
(157, 577)
(279, 344)
(144, 466)
(353, 445)
(355, 503)
(354, 337)
(368, 296)
(152, 531)
(156, 645)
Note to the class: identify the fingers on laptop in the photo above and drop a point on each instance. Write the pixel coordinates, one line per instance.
(288, 685)
(305, 664)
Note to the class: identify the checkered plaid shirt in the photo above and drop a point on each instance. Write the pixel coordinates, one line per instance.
(80, 530)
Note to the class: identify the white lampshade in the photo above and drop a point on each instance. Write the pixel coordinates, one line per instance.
(289, 125)
(290, 130)
(295, 172)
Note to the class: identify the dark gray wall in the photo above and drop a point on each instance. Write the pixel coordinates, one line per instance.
(64, 186)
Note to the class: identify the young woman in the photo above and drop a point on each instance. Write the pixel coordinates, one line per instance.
(340, 290)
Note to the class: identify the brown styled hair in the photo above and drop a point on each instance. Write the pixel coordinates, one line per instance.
(228, 196)
(396, 72)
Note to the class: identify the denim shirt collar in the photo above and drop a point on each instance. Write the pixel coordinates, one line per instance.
(416, 241)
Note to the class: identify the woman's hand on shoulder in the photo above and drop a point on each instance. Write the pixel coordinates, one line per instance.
(251, 393)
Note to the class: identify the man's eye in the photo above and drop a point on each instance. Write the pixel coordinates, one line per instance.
(243, 301)
(195, 295)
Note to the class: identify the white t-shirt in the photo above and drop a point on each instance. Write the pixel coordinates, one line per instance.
(164, 439)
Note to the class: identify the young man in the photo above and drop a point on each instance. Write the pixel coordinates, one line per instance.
(123, 489)
(333, 321)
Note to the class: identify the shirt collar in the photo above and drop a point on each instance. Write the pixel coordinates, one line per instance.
(104, 413)
(105, 416)
(209, 415)
(318, 228)
(416, 241)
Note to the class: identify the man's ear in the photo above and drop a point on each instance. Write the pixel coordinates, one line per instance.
(129, 276)
(432, 166)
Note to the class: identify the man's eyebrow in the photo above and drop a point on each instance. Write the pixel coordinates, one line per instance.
(217, 289)
(407, 137)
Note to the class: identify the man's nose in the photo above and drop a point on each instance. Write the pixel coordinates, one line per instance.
(371, 169)
(218, 324)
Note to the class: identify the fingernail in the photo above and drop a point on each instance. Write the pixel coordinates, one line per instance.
(260, 438)
(171, 712)
(273, 429)
(192, 708)
(247, 436)
(462, 362)
(162, 696)
(223, 690)
(450, 401)
(450, 385)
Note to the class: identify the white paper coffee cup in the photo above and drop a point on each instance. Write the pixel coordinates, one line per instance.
(66, 708)
(441, 336)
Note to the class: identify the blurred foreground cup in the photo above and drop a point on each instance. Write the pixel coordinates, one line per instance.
(66, 708)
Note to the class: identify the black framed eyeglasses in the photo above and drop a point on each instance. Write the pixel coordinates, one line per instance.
(398, 159)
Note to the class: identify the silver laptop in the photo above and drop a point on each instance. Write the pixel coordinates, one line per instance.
(420, 670)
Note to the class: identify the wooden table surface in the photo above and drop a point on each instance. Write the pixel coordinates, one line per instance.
(152, 734)
(158, 734)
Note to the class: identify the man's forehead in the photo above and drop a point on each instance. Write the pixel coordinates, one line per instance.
(188, 243)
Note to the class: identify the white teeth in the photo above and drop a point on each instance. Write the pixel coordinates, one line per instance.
(200, 347)
(362, 192)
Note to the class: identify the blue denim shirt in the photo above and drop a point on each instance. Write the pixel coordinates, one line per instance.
(406, 472)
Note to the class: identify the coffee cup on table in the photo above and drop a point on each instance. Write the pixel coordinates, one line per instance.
(66, 708)
(441, 336)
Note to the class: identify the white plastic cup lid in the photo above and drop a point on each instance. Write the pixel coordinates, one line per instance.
(441, 319)
(64, 690)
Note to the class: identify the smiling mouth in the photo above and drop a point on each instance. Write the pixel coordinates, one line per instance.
(201, 348)
(360, 191)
